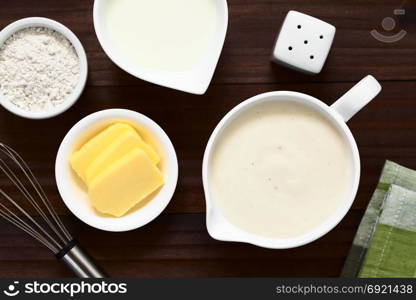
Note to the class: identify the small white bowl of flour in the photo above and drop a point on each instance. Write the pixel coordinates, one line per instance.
(43, 68)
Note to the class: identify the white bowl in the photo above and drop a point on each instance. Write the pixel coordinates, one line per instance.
(195, 80)
(48, 23)
(74, 193)
(338, 113)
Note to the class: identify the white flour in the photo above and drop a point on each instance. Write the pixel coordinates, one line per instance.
(39, 68)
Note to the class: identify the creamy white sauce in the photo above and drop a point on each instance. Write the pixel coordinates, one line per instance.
(280, 170)
(162, 35)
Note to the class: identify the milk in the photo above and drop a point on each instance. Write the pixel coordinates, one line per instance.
(163, 35)
(280, 170)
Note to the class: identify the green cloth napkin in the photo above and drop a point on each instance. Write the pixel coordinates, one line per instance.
(392, 251)
(385, 243)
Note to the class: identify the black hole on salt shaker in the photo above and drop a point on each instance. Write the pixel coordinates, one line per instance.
(299, 27)
(290, 48)
(305, 42)
(311, 57)
(321, 37)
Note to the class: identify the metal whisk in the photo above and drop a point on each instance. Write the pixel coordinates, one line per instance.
(25, 193)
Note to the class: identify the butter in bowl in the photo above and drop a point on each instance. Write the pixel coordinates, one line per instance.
(116, 170)
(117, 164)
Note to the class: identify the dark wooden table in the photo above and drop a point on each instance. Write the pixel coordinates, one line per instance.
(177, 244)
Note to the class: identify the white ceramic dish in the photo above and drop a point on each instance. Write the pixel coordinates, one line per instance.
(74, 193)
(340, 112)
(48, 23)
(195, 80)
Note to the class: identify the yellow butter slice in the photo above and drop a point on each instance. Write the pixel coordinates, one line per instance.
(81, 159)
(125, 183)
(123, 144)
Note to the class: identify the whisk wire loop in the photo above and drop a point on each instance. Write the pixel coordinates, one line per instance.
(15, 220)
(55, 235)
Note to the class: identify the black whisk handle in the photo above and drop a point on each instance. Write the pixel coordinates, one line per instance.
(79, 262)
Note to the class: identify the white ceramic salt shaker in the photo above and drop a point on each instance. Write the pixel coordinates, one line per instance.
(303, 43)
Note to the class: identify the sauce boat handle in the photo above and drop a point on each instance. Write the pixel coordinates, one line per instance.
(357, 97)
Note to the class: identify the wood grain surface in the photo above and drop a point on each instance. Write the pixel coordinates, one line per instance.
(177, 244)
